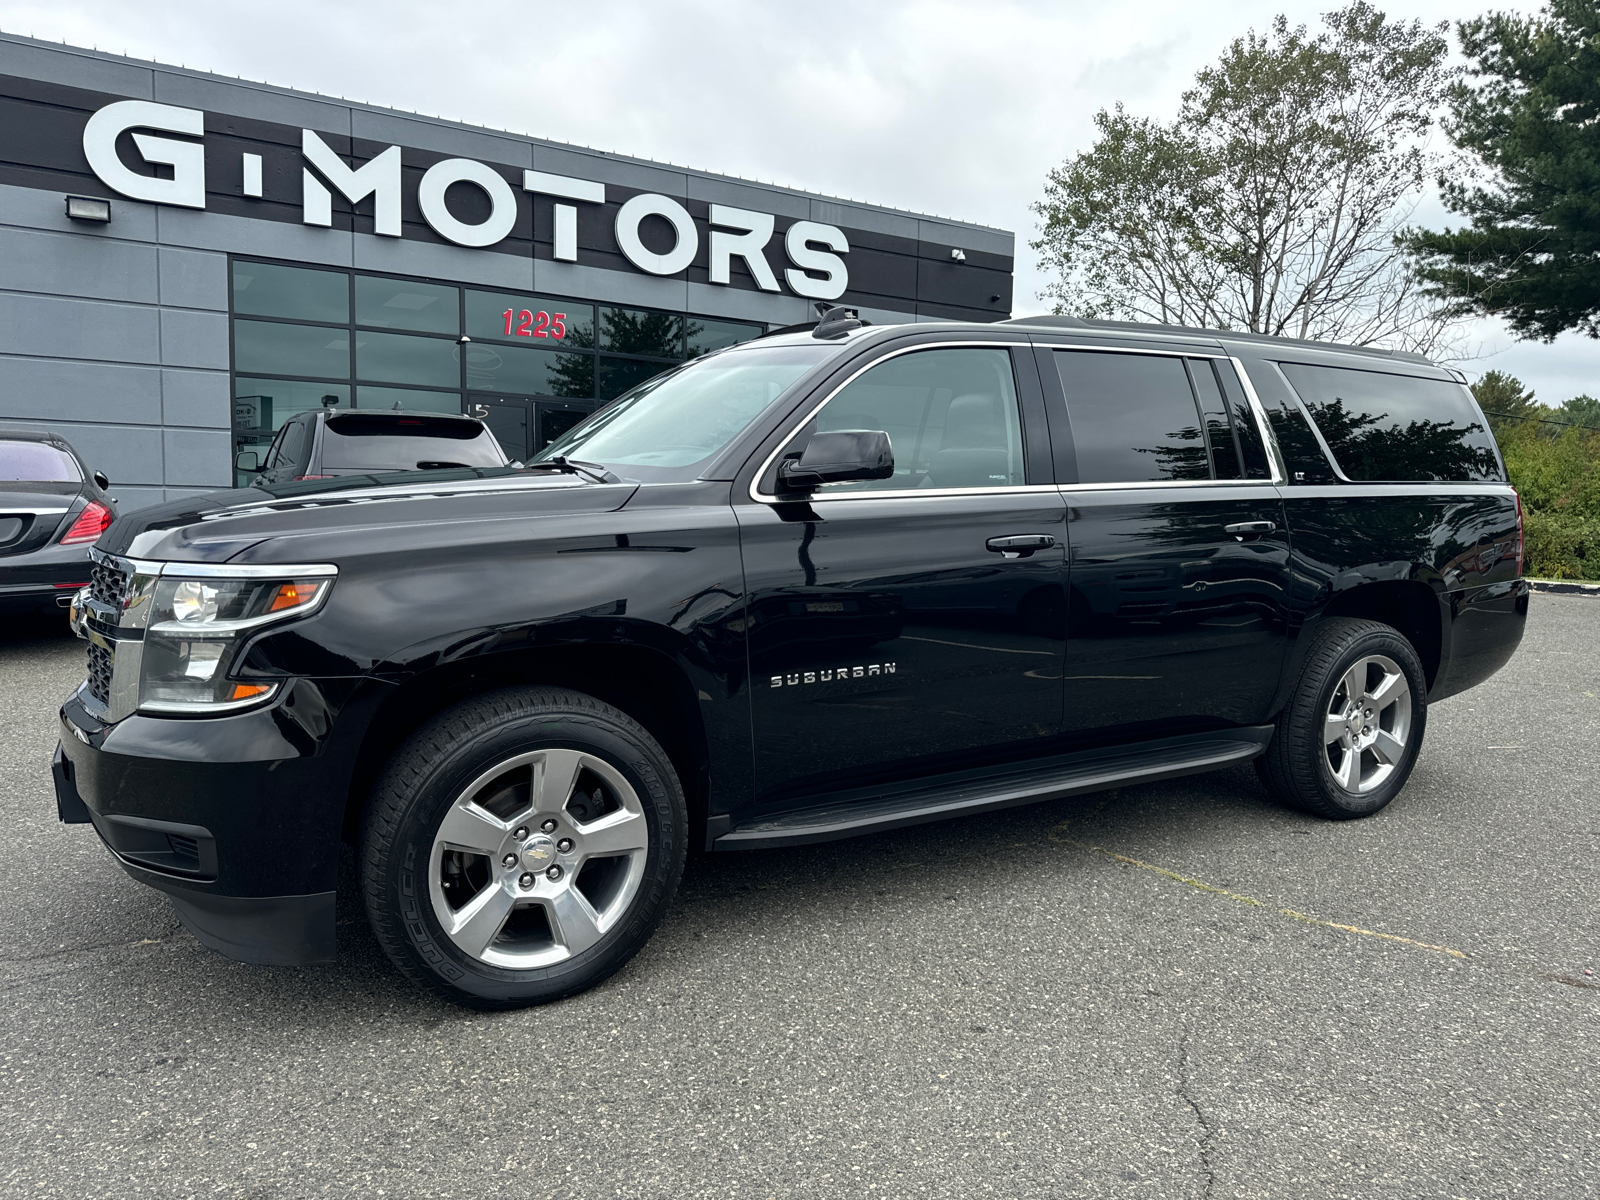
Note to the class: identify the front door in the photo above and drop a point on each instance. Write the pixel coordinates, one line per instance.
(1179, 565)
(890, 633)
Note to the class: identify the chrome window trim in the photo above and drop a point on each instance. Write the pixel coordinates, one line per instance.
(1139, 484)
(770, 498)
(33, 512)
(1280, 473)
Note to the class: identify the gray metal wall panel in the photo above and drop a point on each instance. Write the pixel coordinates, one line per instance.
(63, 265)
(36, 208)
(182, 493)
(592, 283)
(194, 339)
(96, 330)
(197, 457)
(862, 217)
(126, 453)
(75, 68)
(454, 263)
(751, 196)
(713, 300)
(457, 141)
(62, 390)
(246, 100)
(264, 239)
(130, 499)
(194, 278)
(604, 169)
(196, 398)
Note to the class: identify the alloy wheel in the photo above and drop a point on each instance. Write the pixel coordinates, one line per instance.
(1368, 724)
(537, 859)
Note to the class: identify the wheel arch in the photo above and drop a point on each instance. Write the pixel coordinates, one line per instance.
(643, 681)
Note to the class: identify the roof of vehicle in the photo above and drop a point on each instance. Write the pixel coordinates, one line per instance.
(33, 435)
(410, 414)
(1058, 322)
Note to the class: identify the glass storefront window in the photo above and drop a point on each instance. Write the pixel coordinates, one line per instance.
(401, 304)
(388, 397)
(539, 321)
(273, 348)
(617, 375)
(400, 358)
(298, 293)
(529, 372)
(705, 336)
(634, 331)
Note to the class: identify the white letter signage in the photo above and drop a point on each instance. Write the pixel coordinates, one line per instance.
(187, 187)
(797, 243)
(379, 179)
(755, 229)
(649, 205)
(566, 222)
(502, 202)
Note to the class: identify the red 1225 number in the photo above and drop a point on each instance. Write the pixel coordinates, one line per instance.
(540, 324)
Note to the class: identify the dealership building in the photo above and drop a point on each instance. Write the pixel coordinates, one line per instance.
(187, 261)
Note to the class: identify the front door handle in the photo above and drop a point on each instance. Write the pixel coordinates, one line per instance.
(1250, 529)
(1020, 545)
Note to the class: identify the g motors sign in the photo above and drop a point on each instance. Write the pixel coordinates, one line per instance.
(173, 138)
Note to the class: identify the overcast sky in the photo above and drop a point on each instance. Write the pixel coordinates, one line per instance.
(957, 109)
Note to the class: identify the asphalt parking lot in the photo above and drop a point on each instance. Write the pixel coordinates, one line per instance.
(1175, 990)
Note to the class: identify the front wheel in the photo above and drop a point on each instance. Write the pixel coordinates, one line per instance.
(1346, 742)
(521, 847)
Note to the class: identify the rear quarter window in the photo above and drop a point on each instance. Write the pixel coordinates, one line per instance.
(1396, 428)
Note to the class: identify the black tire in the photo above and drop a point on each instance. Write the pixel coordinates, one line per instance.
(1299, 768)
(423, 784)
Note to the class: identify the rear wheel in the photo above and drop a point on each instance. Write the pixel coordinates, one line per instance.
(1345, 744)
(521, 847)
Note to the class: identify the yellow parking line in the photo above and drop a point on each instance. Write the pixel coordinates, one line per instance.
(1056, 835)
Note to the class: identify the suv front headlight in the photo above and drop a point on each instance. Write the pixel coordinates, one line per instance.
(197, 626)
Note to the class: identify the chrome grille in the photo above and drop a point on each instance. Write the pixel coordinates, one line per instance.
(108, 584)
(100, 673)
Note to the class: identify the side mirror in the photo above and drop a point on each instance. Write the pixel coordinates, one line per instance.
(838, 457)
(246, 460)
(100, 480)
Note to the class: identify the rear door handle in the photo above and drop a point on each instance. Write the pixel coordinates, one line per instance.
(1020, 545)
(1248, 529)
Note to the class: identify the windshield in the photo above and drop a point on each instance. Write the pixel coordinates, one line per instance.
(681, 419)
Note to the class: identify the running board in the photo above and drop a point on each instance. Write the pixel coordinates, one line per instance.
(874, 809)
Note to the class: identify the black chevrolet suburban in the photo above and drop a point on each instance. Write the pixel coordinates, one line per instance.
(831, 581)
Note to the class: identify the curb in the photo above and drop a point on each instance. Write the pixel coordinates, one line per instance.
(1565, 587)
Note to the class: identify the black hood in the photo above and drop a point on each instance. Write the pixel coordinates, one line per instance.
(311, 520)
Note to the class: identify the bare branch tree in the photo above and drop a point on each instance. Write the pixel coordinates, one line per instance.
(1271, 203)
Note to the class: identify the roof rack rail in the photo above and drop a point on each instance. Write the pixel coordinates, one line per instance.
(1063, 320)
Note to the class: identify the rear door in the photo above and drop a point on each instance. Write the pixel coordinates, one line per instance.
(890, 633)
(1179, 548)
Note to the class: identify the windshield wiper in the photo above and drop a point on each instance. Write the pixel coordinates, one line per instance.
(573, 466)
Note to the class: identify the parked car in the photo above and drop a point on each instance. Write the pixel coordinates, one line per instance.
(329, 443)
(52, 508)
(820, 584)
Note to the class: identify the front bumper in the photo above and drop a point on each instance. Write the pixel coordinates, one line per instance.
(237, 819)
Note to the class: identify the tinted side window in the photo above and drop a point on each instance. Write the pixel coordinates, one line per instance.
(1133, 417)
(291, 446)
(951, 417)
(1220, 433)
(1251, 448)
(1395, 427)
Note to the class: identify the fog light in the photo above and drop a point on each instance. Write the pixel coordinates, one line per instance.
(88, 208)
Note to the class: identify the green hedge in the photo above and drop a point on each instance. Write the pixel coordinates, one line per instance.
(1558, 478)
